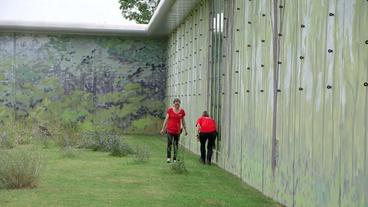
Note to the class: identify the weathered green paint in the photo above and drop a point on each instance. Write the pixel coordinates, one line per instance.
(321, 132)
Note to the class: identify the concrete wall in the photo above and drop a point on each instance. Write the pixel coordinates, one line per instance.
(294, 98)
(187, 76)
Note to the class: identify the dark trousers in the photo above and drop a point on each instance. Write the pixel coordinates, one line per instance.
(172, 139)
(210, 139)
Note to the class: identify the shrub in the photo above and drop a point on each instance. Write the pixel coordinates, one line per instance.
(66, 135)
(24, 139)
(6, 141)
(20, 168)
(141, 154)
(45, 142)
(178, 167)
(118, 148)
(96, 141)
(23, 132)
(64, 141)
(105, 142)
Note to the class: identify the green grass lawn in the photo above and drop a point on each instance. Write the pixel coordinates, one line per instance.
(97, 179)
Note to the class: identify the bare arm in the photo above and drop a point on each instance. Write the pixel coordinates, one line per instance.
(164, 124)
(198, 128)
(184, 126)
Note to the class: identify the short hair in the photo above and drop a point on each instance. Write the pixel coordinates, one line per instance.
(205, 114)
(176, 100)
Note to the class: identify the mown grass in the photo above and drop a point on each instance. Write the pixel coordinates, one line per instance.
(97, 179)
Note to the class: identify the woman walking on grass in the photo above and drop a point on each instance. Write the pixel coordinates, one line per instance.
(207, 133)
(173, 124)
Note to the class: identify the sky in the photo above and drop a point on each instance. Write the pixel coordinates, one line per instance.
(102, 12)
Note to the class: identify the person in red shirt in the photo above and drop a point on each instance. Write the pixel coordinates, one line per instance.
(207, 133)
(173, 124)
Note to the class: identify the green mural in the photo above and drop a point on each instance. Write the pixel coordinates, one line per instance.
(81, 82)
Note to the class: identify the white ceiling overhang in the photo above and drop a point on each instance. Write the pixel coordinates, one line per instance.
(168, 15)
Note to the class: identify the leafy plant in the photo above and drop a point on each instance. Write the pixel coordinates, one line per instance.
(179, 167)
(6, 141)
(20, 168)
(118, 148)
(97, 141)
(106, 142)
(139, 10)
(141, 154)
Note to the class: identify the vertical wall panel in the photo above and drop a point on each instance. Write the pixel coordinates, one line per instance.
(286, 122)
(322, 97)
(266, 40)
(236, 137)
(354, 138)
(304, 87)
(188, 69)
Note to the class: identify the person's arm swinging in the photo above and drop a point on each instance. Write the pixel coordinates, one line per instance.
(164, 124)
(184, 126)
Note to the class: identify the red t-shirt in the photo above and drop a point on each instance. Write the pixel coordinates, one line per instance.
(207, 124)
(174, 121)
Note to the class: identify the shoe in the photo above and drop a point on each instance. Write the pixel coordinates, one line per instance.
(174, 160)
(208, 162)
(202, 161)
(168, 160)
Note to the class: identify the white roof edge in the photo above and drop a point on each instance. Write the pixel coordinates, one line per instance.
(73, 28)
(163, 7)
(150, 29)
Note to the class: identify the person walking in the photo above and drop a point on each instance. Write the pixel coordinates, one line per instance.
(173, 124)
(207, 130)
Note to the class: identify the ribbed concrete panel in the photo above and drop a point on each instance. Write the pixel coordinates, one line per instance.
(321, 151)
(251, 92)
(187, 75)
(317, 54)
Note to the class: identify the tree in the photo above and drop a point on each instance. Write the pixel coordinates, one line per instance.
(139, 10)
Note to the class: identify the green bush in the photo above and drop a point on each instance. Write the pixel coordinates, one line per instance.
(20, 168)
(6, 141)
(105, 142)
(118, 148)
(142, 154)
(22, 133)
(96, 141)
(67, 135)
(178, 167)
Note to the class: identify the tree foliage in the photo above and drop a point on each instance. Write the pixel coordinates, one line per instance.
(140, 11)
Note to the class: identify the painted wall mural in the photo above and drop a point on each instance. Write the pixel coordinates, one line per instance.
(82, 81)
